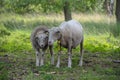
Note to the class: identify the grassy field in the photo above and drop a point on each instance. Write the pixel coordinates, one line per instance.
(17, 58)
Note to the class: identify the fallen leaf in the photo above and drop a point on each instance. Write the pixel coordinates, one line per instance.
(51, 72)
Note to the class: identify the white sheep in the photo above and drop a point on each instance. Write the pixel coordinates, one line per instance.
(70, 35)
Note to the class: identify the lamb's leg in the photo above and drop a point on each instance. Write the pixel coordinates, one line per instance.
(52, 59)
(52, 55)
(37, 58)
(81, 52)
(42, 58)
(69, 54)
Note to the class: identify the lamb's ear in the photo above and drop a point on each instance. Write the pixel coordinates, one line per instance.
(46, 32)
(36, 38)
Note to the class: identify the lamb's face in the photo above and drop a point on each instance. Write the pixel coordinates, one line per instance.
(42, 39)
(54, 34)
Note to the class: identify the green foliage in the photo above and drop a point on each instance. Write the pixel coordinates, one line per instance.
(3, 71)
(115, 30)
(28, 21)
(3, 31)
(13, 24)
(102, 44)
(97, 44)
(88, 5)
(24, 6)
(96, 28)
(92, 43)
(17, 41)
(3, 34)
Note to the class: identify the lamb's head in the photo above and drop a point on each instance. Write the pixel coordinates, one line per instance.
(54, 35)
(42, 39)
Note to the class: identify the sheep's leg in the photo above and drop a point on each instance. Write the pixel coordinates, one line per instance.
(58, 61)
(52, 59)
(37, 58)
(69, 55)
(42, 58)
(69, 59)
(81, 52)
(52, 55)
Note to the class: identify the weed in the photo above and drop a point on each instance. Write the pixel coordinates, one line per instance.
(3, 71)
(3, 31)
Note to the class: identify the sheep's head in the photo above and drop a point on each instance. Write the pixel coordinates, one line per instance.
(54, 35)
(42, 39)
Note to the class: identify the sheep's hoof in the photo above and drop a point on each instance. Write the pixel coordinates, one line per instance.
(41, 64)
(52, 63)
(69, 67)
(37, 65)
(80, 65)
(57, 66)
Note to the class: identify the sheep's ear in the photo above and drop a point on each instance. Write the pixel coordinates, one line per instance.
(58, 31)
(46, 32)
(36, 38)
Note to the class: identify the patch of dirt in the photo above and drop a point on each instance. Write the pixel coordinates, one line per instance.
(17, 67)
(4, 58)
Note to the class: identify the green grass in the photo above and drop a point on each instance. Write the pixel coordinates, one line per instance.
(100, 46)
(3, 71)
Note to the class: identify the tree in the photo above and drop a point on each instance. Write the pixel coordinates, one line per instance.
(108, 6)
(117, 11)
(67, 11)
(111, 6)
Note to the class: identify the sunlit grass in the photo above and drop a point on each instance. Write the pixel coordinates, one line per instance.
(92, 23)
(95, 17)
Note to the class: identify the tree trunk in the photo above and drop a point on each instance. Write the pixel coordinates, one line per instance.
(108, 6)
(117, 11)
(111, 7)
(67, 11)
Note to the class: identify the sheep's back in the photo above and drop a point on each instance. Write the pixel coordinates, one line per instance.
(72, 30)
